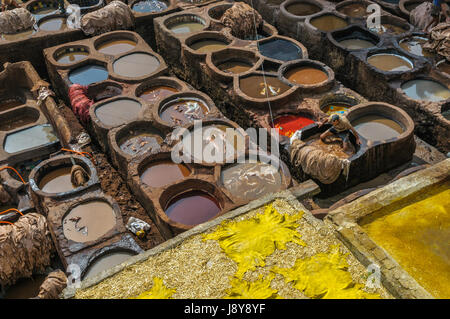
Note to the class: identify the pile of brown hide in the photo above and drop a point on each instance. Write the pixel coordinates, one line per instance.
(115, 16)
(242, 19)
(439, 41)
(17, 20)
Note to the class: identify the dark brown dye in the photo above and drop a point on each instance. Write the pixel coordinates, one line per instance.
(192, 208)
(183, 111)
(13, 123)
(54, 24)
(302, 9)
(333, 145)
(250, 181)
(57, 181)
(356, 10)
(118, 112)
(89, 221)
(205, 46)
(141, 143)
(377, 128)
(25, 288)
(116, 47)
(136, 65)
(162, 173)
(234, 67)
(255, 86)
(329, 22)
(443, 66)
(306, 75)
(156, 93)
(105, 262)
(72, 57)
(9, 103)
(390, 62)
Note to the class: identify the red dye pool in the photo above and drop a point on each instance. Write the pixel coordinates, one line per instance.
(192, 208)
(288, 124)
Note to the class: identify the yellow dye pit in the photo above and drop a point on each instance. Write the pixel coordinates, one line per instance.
(249, 242)
(417, 236)
(158, 291)
(259, 289)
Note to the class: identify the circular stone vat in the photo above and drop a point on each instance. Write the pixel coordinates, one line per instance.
(328, 22)
(104, 90)
(52, 24)
(157, 92)
(182, 110)
(88, 74)
(302, 8)
(443, 66)
(249, 181)
(288, 124)
(426, 90)
(355, 38)
(136, 65)
(217, 12)
(261, 87)
(390, 62)
(234, 66)
(57, 181)
(18, 118)
(356, 44)
(208, 45)
(192, 208)
(89, 221)
(118, 112)
(233, 61)
(116, 46)
(185, 24)
(392, 25)
(10, 102)
(414, 45)
(280, 49)
(376, 127)
(162, 173)
(71, 55)
(148, 6)
(305, 75)
(354, 10)
(105, 262)
(28, 138)
(140, 141)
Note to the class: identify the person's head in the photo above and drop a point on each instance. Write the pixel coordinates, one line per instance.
(335, 119)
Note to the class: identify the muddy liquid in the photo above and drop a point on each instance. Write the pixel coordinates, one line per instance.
(416, 233)
(141, 143)
(389, 28)
(426, 90)
(250, 181)
(106, 262)
(184, 111)
(11, 124)
(192, 208)
(25, 288)
(88, 74)
(206, 46)
(302, 9)
(414, 46)
(287, 125)
(390, 62)
(149, 6)
(57, 181)
(377, 128)
(332, 146)
(444, 67)
(162, 173)
(336, 108)
(356, 44)
(118, 112)
(186, 27)
(54, 24)
(18, 36)
(306, 75)
(35, 136)
(280, 49)
(234, 67)
(72, 57)
(356, 10)
(9, 103)
(255, 87)
(89, 221)
(328, 22)
(156, 93)
(136, 65)
(116, 47)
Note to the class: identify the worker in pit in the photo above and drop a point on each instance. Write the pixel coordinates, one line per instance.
(341, 128)
(440, 9)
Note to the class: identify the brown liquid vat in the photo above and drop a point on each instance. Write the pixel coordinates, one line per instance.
(117, 44)
(393, 26)
(355, 9)
(192, 46)
(353, 32)
(309, 75)
(19, 118)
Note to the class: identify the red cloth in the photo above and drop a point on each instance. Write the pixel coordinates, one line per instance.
(80, 102)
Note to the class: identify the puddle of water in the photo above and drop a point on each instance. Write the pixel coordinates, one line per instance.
(88, 74)
(280, 49)
(255, 87)
(105, 262)
(306, 75)
(89, 221)
(234, 67)
(328, 22)
(35, 136)
(427, 90)
(136, 65)
(162, 173)
(115, 47)
(118, 112)
(192, 208)
(287, 125)
(377, 128)
(390, 62)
